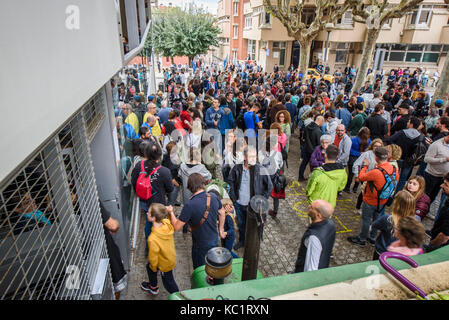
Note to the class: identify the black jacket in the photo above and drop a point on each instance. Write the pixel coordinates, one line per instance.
(161, 182)
(312, 135)
(262, 181)
(377, 126)
(405, 141)
(399, 125)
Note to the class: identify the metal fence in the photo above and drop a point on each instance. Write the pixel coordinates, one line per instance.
(51, 232)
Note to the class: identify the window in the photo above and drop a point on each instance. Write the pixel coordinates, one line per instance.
(308, 15)
(346, 19)
(252, 49)
(429, 53)
(236, 9)
(234, 54)
(341, 52)
(264, 18)
(248, 21)
(236, 32)
(280, 46)
(420, 17)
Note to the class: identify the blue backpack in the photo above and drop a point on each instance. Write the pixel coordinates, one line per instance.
(389, 187)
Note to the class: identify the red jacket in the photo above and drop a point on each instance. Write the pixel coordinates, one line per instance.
(422, 206)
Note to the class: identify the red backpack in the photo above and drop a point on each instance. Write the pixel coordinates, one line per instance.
(143, 185)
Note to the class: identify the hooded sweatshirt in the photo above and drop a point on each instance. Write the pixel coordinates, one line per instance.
(332, 127)
(185, 170)
(312, 135)
(161, 247)
(227, 120)
(325, 182)
(406, 139)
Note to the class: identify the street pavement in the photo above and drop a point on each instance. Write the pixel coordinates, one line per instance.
(281, 238)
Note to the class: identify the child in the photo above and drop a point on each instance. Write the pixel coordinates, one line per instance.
(410, 234)
(229, 226)
(416, 186)
(403, 206)
(161, 253)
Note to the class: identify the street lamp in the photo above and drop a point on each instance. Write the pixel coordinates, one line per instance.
(328, 27)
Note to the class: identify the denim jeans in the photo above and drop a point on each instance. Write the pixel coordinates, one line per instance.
(167, 279)
(199, 253)
(148, 224)
(406, 172)
(369, 214)
(421, 169)
(173, 196)
(241, 221)
(305, 161)
(228, 242)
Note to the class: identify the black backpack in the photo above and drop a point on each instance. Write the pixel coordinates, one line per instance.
(284, 153)
(419, 152)
(240, 122)
(279, 181)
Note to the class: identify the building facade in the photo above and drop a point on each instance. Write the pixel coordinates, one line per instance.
(419, 39)
(60, 154)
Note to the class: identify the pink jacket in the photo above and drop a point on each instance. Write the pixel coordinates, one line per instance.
(282, 139)
(406, 251)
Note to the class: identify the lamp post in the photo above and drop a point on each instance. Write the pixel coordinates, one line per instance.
(328, 27)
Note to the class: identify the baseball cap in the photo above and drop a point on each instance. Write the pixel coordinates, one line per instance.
(439, 102)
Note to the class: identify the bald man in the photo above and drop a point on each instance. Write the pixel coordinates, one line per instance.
(318, 240)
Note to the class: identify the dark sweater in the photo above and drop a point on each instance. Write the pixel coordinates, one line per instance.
(377, 126)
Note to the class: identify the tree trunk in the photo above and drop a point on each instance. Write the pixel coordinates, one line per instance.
(172, 60)
(304, 56)
(190, 61)
(442, 89)
(367, 57)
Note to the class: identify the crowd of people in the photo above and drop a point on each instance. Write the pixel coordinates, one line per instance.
(241, 120)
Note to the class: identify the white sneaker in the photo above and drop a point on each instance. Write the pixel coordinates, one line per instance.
(359, 211)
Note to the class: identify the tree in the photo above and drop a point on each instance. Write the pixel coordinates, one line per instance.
(181, 33)
(442, 89)
(295, 21)
(374, 14)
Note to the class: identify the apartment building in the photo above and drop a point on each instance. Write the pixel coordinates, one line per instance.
(421, 38)
(60, 150)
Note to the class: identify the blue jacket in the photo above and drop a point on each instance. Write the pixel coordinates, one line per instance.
(131, 133)
(355, 147)
(210, 117)
(344, 115)
(291, 109)
(227, 120)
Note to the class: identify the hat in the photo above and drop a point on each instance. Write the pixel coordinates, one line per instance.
(137, 98)
(150, 98)
(381, 153)
(439, 102)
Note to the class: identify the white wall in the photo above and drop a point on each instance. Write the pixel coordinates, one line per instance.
(47, 72)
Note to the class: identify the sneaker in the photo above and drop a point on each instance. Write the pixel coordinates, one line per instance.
(272, 214)
(359, 211)
(145, 286)
(356, 240)
(238, 246)
(371, 241)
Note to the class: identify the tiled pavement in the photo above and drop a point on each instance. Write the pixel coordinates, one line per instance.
(281, 237)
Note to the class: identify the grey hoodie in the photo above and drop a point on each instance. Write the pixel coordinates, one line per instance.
(411, 133)
(436, 156)
(185, 171)
(344, 149)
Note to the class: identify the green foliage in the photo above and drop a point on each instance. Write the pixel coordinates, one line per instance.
(180, 33)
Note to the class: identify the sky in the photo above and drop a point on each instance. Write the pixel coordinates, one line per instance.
(209, 5)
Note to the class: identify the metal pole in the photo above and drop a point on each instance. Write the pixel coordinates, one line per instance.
(152, 77)
(252, 247)
(327, 50)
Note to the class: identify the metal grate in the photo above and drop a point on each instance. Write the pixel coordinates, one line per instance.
(51, 230)
(93, 112)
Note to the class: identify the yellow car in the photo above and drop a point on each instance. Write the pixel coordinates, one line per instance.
(313, 73)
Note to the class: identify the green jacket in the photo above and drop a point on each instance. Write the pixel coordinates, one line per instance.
(325, 182)
(356, 124)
